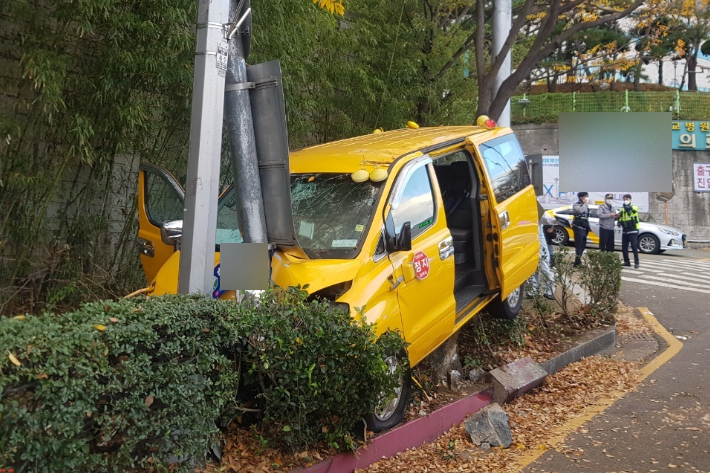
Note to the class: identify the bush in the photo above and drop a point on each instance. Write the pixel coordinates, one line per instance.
(317, 371)
(601, 279)
(133, 384)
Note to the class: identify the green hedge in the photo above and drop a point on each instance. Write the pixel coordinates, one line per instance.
(133, 384)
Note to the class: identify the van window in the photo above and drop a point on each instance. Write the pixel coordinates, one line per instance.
(506, 166)
(416, 204)
(331, 213)
(163, 203)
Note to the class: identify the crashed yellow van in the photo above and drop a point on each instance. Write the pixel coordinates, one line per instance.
(422, 227)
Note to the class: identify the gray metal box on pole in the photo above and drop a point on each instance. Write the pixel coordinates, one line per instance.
(202, 186)
(271, 133)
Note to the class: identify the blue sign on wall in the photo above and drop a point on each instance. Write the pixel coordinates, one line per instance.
(691, 135)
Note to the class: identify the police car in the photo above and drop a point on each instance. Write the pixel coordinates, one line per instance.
(652, 238)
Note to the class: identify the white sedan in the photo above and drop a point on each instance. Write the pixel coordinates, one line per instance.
(652, 238)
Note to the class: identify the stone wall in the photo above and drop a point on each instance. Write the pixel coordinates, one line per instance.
(687, 210)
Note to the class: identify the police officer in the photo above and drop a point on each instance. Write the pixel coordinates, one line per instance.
(629, 222)
(580, 226)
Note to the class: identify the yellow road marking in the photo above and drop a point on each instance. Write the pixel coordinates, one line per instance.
(674, 346)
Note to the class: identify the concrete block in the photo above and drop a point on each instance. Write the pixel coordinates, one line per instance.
(516, 378)
(489, 426)
(592, 343)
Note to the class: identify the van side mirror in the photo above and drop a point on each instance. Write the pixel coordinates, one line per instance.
(534, 163)
(394, 242)
(171, 233)
(404, 242)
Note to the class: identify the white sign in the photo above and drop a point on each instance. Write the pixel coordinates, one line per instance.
(701, 177)
(222, 57)
(552, 198)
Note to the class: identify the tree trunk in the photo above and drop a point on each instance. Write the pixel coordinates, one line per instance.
(682, 81)
(637, 77)
(692, 66)
(423, 111)
(660, 71)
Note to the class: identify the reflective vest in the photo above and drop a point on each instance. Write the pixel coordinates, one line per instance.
(629, 220)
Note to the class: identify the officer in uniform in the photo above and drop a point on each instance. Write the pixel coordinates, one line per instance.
(580, 226)
(629, 222)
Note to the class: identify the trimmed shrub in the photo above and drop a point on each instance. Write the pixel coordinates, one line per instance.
(317, 370)
(601, 279)
(136, 384)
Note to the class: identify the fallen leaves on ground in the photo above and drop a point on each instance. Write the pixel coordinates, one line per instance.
(628, 321)
(533, 419)
(245, 452)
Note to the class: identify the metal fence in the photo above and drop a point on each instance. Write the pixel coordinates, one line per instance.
(545, 108)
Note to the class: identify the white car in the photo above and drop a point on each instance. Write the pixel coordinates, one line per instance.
(652, 238)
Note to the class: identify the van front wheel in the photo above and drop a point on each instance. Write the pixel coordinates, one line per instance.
(508, 308)
(390, 411)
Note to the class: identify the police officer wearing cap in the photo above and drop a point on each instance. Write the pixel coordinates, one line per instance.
(580, 226)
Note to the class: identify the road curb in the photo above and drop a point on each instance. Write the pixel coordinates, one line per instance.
(428, 428)
(598, 341)
(413, 434)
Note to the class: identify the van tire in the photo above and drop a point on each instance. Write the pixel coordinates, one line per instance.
(391, 415)
(509, 308)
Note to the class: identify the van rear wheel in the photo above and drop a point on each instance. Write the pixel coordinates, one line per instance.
(390, 411)
(508, 308)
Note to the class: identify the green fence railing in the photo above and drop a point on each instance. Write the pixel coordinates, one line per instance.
(545, 108)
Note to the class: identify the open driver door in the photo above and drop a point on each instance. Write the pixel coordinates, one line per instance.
(160, 199)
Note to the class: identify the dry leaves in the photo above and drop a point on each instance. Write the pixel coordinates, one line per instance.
(246, 453)
(628, 321)
(533, 418)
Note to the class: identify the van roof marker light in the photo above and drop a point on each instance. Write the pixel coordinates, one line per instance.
(360, 175)
(484, 121)
(378, 175)
(412, 125)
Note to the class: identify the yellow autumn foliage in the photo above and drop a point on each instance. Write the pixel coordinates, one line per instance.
(333, 6)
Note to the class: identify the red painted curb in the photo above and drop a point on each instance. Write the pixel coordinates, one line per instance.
(410, 435)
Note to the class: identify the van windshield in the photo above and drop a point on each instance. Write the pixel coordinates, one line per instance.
(331, 213)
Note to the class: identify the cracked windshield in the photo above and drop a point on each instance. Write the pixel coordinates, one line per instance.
(331, 213)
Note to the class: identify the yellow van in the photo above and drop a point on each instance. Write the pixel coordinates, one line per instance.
(444, 225)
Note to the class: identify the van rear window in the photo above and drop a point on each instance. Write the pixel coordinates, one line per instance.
(506, 166)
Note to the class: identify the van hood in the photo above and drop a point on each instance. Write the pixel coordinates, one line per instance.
(317, 274)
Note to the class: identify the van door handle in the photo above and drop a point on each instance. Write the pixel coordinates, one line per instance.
(146, 247)
(504, 220)
(396, 283)
(446, 248)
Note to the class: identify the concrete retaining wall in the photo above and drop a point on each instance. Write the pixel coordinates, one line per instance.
(687, 210)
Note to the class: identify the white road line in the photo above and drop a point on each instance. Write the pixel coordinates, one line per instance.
(687, 280)
(672, 286)
(698, 264)
(705, 277)
(680, 266)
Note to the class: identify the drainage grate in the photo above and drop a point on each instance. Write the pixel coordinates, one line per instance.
(646, 337)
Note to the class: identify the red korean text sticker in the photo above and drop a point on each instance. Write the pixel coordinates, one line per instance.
(421, 265)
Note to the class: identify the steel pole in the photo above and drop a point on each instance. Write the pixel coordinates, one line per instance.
(502, 23)
(202, 186)
(240, 136)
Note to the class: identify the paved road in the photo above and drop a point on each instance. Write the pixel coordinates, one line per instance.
(665, 426)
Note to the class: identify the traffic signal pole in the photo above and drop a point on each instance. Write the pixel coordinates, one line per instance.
(240, 129)
(202, 186)
(502, 23)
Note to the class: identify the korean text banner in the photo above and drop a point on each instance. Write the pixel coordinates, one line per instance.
(691, 135)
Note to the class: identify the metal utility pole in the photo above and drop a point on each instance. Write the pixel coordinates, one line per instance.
(240, 128)
(502, 22)
(202, 187)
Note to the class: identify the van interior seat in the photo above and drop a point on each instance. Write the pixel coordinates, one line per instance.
(455, 183)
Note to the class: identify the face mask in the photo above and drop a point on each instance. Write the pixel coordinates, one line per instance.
(627, 202)
(609, 201)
